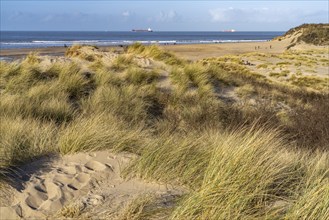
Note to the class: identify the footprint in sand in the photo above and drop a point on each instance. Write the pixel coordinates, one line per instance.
(68, 180)
(53, 188)
(34, 201)
(51, 191)
(71, 170)
(83, 177)
(95, 166)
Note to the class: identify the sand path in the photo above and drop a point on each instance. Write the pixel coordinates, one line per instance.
(90, 180)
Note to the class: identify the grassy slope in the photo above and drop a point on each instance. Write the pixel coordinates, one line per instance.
(263, 154)
(317, 34)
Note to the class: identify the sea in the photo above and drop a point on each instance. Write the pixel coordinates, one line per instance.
(38, 39)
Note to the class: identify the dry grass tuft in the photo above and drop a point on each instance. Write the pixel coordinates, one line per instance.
(83, 52)
(100, 132)
(136, 209)
(71, 211)
(22, 140)
(156, 53)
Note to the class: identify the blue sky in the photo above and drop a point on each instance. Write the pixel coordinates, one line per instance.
(160, 15)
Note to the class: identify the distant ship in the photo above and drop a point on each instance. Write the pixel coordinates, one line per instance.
(231, 30)
(142, 30)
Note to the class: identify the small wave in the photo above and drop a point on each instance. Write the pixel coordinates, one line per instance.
(6, 59)
(15, 43)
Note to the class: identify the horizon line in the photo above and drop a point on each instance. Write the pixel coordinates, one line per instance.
(152, 30)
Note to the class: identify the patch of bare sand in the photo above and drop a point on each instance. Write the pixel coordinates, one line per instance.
(91, 180)
(304, 46)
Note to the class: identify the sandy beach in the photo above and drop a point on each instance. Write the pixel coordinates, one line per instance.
(200, 51)
(188, 51)
(17, 53)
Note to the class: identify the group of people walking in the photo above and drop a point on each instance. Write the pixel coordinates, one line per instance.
(258, 47)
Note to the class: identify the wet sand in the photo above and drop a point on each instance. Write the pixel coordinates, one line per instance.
(17, 53)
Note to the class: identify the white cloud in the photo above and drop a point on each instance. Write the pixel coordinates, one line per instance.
(258, 15)
(220, 15)
(168, 16)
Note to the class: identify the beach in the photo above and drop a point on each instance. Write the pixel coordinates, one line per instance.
(200, 51)
(188, 51)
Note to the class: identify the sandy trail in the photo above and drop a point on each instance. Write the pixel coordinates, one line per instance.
(89, 179)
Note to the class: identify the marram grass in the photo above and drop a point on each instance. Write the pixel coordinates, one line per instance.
(93, 100)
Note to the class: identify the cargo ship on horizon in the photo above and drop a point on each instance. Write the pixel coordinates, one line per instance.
(142, 30)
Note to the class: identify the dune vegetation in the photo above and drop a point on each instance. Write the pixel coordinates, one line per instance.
(316, 34)
(245, 145)
(307, 34)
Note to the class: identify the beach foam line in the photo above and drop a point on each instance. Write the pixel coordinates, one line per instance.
(6, 58)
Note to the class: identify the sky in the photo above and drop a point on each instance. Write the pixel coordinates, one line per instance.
(171, 15)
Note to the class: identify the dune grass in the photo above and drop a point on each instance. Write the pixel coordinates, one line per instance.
(172, 158)
(316, 34)
(40, 102)
(243, 183)
(22, 140)
(83, 52)
(98, 133)
(121, 62)
(245, 91)
(138, 76)
(241, 174)
(283, 73)
(156, 53)
(310, 81)
(265, 160)
(312, 202)
(136, 209)
(71, 211)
